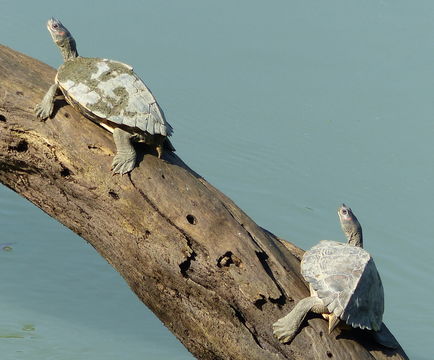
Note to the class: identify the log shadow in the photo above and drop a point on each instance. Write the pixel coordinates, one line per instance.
(168, 156)
(367, 339)
(58, 104)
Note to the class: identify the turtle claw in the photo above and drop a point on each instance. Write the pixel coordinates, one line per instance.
(45, 108)
(125, 158)
(123, 163)
(42, 111)
(282, 332)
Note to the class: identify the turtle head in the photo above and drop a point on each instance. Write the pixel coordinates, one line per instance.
(62, 38)
(350, 226)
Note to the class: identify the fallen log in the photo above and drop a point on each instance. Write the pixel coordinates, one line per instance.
(215, 278)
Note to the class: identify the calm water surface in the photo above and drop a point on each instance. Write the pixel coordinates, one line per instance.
(288, 107)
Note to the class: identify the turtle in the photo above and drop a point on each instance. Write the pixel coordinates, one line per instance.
(344, 284)
(109, 93)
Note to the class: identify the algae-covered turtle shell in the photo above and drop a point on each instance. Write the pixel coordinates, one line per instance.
(110, 90)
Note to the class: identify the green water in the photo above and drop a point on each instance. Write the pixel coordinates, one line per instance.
(289, 107)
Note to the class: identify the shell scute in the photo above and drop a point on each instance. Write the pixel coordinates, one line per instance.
(111, 90)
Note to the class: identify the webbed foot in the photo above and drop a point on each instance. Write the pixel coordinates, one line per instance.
(283, 330)
(286, 328)
(125, 158)
(123, 163)
(43, 110)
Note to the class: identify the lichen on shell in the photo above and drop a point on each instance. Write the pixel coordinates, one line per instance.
(110, 90)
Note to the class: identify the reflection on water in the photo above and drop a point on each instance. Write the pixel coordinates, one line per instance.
(290, 108)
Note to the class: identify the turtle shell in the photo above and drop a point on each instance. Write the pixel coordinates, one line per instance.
(345, 278)
(104, 89)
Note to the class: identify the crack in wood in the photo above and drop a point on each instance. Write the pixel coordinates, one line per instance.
(263, 256)
(18, 166)
(228, 259)
(244, 322)
(260, 302)
(185, 265)
(21, 146)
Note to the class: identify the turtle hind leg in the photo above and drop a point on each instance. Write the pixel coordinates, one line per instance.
(160, 149)
(286, 328)
(125, 158)
(44, 109)
(163, 143)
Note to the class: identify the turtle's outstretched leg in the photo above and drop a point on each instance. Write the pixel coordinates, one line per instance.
(286, 328)
(125, 158)
(45, 108)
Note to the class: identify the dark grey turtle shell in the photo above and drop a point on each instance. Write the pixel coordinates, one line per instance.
(345, 278)
(110, 90)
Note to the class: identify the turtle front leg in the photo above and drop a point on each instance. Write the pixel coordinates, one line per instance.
(45, 108)
(286, 328)
(125, 158)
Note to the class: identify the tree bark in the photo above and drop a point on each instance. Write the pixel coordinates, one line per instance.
(215, 278)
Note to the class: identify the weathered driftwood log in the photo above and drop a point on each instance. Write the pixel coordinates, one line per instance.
(216, 279)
